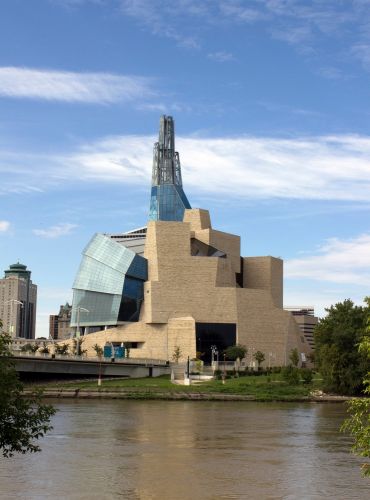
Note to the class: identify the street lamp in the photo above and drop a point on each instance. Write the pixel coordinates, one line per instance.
(214, 352)
(224, 371)
(11, 302)
(78, 333)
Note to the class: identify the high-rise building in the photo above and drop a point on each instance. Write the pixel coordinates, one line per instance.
(179, 283)
(18, 297)
(59, 324)
(306, 320)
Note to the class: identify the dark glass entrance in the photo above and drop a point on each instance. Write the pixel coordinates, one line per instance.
(221, 335)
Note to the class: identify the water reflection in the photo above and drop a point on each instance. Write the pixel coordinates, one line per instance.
(188, 450)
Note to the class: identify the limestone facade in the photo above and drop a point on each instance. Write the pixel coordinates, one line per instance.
(185, 290)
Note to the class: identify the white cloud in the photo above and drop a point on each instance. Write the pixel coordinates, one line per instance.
(336, 261)
(362, 52)
(4, 226)
(163, 19)
(311, 168)
(221, 56)
(55, 231)
(100, 88)
(327, 168)
(305, 25)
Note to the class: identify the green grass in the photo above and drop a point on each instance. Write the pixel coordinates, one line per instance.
(260, 387)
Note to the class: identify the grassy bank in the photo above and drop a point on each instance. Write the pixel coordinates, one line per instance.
(260, 388)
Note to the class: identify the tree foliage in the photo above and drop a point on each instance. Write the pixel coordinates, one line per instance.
(259, 357)
(294, 357)
(29, 348)
(61, 349)
(358, 425)
(337, 357)
(291, 374)
(77, 348)
(176, 354)
(234, 352)
(44, 349)
(98, 350)
(22, 419)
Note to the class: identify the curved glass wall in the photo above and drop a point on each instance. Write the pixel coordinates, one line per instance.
(109, 284)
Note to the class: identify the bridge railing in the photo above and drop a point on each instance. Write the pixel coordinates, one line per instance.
(72, 357)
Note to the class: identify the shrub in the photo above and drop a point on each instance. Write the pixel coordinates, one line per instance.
(290, 374)
(306, 375)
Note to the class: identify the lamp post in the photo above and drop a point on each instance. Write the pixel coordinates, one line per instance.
(224, 371)
(214, 353)
(78, 333)
(11, 302)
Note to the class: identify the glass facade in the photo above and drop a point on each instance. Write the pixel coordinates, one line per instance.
(109, 284)
(168, 202)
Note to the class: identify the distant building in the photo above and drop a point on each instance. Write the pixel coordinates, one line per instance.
(18, 297)
(59, 324)
(306, 320)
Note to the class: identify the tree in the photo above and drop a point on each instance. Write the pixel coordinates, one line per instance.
(176, 354)
(294, 357)
(29, 348)
(44, 349)
(61, 348)
(259, 357)
(98, 350)
(236, 351)
(77, 346)
(337, 357)
(22, 419)
(358, 425)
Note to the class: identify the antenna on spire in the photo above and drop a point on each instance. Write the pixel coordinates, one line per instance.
(166, 161)
(168, 200)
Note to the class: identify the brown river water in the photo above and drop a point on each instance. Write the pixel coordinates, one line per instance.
(188, 450)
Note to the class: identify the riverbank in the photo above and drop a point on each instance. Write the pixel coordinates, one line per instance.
(251, 388)
(184, 396)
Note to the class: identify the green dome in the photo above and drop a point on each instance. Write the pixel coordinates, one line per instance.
(18, 266)
(17, 269)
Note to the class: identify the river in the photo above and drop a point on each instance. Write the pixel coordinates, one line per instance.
(188, 450)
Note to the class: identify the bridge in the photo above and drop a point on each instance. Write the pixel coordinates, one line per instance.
(46, 365)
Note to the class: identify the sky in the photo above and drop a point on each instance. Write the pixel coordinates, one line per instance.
(272, 111)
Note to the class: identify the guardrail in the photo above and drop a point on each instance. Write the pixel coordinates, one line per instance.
(68, 357)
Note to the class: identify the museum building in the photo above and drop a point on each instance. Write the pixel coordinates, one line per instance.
(180, 283)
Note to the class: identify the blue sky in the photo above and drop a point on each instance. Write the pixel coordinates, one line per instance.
(272, 110)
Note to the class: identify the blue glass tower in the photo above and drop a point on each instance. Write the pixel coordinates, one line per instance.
(168, 200)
